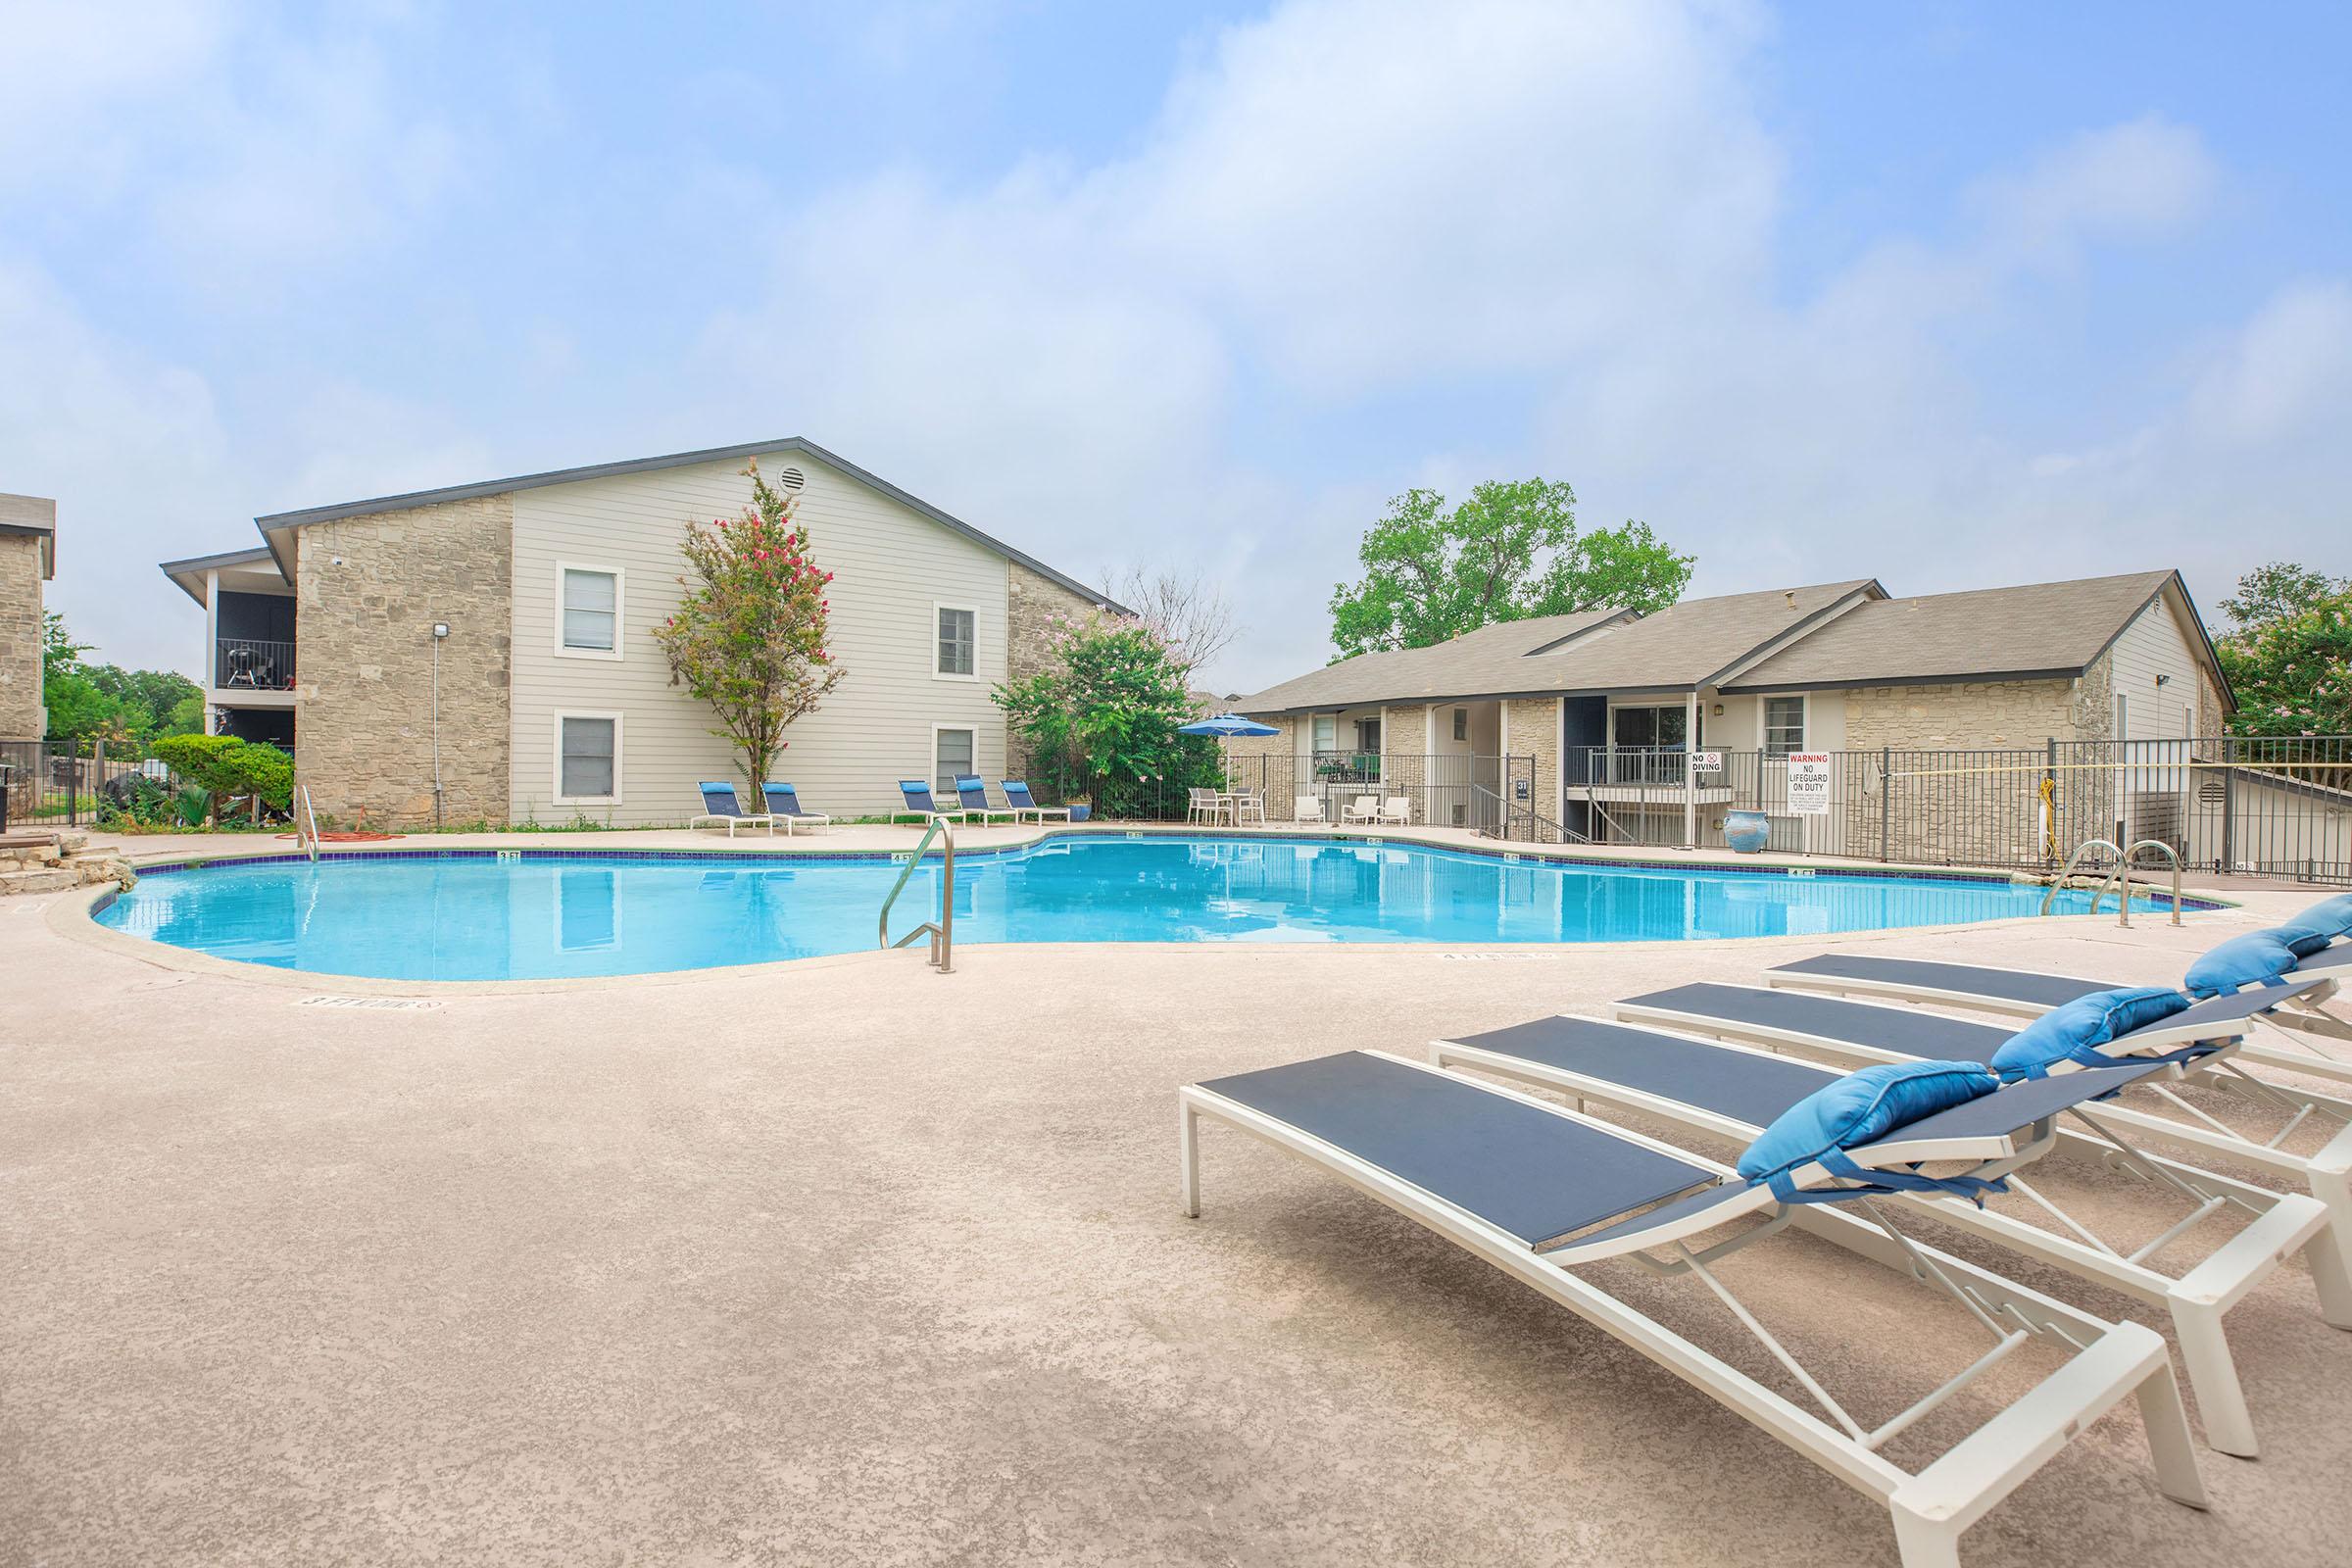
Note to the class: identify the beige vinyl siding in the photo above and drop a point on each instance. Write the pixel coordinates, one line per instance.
(2156, 644)
(891, 566)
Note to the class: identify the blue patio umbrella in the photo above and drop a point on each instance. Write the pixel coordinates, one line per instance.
(1227, 724)
(1224, 726)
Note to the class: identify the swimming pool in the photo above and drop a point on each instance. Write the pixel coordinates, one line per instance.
(526, 915)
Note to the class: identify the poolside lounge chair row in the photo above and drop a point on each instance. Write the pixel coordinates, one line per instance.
(1945, 1117)
(783, 802)
(723, 806)
(973, 802)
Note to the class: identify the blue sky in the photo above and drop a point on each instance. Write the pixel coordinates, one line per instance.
(1949, 294)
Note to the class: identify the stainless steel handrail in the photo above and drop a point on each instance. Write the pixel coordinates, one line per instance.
(941, 931)
(306, 822)
(2105, 882)
(2171, 855)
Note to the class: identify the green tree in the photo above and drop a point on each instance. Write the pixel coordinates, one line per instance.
(1511, 550)
(225, 766)
(1101, 719)
(749, 636)
(2277, 591)
(88, 702)
(2290, 656)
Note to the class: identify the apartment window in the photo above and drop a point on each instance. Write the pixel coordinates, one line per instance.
(1327, 732)
(952, 752)
(1662, 725)
(1461, 724)
(1367, 734)
(587, 758)
(958, 642)
(590, 611)
(1783, 725)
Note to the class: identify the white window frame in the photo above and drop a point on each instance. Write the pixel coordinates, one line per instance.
(937, 674)
(1315, 741)
(556, 760)
(621, 602)
(969, 729)
(1805, 702)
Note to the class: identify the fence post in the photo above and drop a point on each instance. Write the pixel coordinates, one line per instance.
(72, 783)
(1886, 798)
(98, 779)
(2229, 803)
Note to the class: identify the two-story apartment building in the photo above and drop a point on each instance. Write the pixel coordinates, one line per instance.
(485, 652)
(27, 560)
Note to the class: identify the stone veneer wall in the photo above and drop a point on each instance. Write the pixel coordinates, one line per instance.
(1405, 757)
(368, 591)
(1268, 763)
(1531, 726)
(1031, 604)
(20, 637)
(1987, 715)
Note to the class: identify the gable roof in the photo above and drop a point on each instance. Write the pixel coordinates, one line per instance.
(1506, 659)
(2040, 630)
(189, 576)
(277, 526)
(1686, 645)
(35, 516)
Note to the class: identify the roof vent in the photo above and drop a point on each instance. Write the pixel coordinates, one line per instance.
(791, 479)
(1789, 594)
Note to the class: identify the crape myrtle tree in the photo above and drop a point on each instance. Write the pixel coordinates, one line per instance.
(1510, 552)
(2289, 651)
(1101, 719)
(749, 636)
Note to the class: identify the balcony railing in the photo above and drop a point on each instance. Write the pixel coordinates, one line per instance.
(1645, 765)
(253, 663)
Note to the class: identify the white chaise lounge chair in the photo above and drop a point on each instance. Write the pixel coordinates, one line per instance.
(1541, 1192)
(2203, 1042)
(1721, 1090)
(720, 805)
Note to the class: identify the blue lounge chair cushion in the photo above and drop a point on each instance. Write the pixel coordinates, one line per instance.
(2257, 958)
(2301, 939)
(2076, 1031)
(2331, 918)
(1859, 1108)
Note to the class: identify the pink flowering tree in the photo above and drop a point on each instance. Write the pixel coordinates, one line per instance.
(749, 636)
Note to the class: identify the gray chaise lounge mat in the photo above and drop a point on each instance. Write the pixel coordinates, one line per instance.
(1730, 1083)
(1538, 1175)
(1903, 1030)
(2041, 989)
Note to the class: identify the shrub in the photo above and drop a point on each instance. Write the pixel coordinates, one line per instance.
(223, 767)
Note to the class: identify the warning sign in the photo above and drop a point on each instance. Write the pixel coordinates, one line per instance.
(1809, 783)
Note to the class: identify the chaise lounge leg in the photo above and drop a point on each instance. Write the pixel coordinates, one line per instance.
(1926, 1542)
(2326, 1256)
(1188, 1153)
(2170, 1445)
(2221, 1396)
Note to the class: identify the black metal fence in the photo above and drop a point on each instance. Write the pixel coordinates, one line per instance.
(1437, 789)
(2226, 804)
(45, 784)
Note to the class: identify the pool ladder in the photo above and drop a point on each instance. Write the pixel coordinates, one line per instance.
(2120, 879)
(306, 823)
(941, 931)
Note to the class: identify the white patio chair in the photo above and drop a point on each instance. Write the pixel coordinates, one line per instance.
(1397, 812)
(1365, 809)
(1248, 804)
(1201, 805)
(1306, 809)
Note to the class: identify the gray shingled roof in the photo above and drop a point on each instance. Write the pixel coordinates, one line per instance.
(2034, 629)
(1493, 661)
(285, 521)
(1684, 645)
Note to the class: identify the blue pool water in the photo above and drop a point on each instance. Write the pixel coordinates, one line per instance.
(453, 917)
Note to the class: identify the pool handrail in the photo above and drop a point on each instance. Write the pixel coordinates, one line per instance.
(942, 931)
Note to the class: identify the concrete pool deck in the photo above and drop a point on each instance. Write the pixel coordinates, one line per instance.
(847, 1262)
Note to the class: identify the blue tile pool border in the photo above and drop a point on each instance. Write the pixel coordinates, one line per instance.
(737, 858)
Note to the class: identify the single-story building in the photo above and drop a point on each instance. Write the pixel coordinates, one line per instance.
(485, 652)
(1607, 712)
